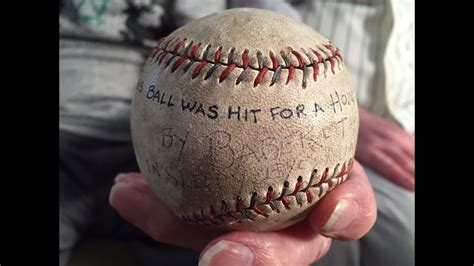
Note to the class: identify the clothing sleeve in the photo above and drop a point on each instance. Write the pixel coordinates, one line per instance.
(376, 40)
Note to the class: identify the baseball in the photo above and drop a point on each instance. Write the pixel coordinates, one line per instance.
(244, 119)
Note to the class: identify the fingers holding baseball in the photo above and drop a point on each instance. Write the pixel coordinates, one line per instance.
(296, 245)
(136, 203)
(349, 211)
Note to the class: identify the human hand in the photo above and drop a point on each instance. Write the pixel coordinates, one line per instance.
(346, 213)
(387, 149)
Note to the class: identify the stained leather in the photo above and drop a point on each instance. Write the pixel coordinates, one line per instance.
(244, 156)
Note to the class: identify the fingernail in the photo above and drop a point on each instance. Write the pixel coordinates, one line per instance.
(127, 178)
(121, 177)
(227, 253)
(133, 203)
(114, 189)
(345, 212)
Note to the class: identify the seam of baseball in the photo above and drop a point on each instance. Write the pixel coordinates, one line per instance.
(301, 194)
(185, 50)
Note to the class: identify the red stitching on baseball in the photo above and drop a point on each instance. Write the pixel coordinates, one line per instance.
(338, 55)
(343, 171)
(284, 200)
(253, 205)
(245, 58)
(297, 186)
(153, 52)
(217, 55)
(331, 58)
(309, 196)
(329, 47)
(177, 50)
(229, 216)
(193, 51)
(167, 43)
(227, 72)
(197, 70)
(259, 77)
(315, 70)
(291, 73)
(160, 40)
(177, 63)
(318, 55)
(331, 61)
(274, 61)
(178, 45)
(162, 57)
(335, 53)
(232, 217)
(300, 59)
(269, 195)
(323, 178)
(316, 64)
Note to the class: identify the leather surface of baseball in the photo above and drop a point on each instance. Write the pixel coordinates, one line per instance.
(244, 119)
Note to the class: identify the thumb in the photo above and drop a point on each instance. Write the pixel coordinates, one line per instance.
(295, 245)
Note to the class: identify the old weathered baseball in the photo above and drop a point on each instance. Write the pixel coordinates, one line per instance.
(244, 120)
